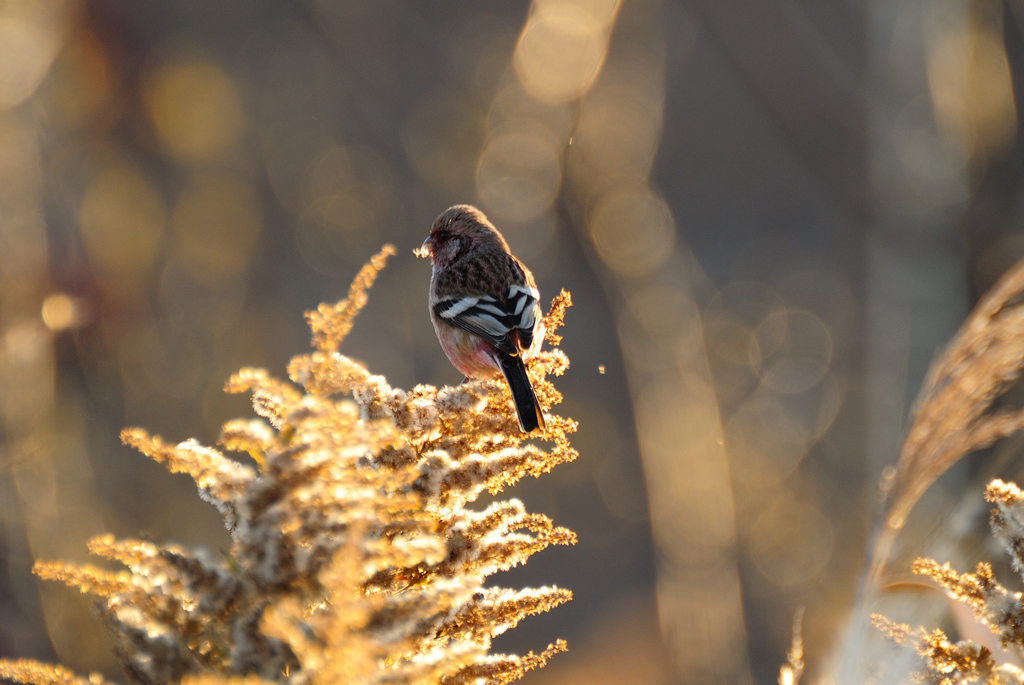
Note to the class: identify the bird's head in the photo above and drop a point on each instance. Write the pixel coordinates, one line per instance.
(458, 231)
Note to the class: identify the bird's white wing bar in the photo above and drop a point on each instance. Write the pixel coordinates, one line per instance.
(449, 309)
(522, 306)
(516, 289)
(495, 309)
(482, 316)
(493, 320)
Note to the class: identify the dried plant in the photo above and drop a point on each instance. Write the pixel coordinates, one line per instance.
(957, 412)
(948, 663)
(793, 669)
(354, 557)
(954, 413)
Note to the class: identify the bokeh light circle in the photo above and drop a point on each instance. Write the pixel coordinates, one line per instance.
(518, 175)
(122, 219)
(562, 48)
(793, 349)
(194, 108)
(633, 231)
(790, 543)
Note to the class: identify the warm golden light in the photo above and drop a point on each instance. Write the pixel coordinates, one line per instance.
(562, 47)
(514, 108)
(31, 35)
(194, 108)
(620, 125)
(972, 89)
(790, 542)
(633, 231)
(122, 219)
(60, 311)
(518, 175)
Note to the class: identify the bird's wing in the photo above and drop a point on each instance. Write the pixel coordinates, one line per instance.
(494, 319)
(522, 300)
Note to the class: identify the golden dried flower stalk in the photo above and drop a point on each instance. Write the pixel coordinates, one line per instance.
(791, 672)
(331, 323)
(953, 415)
(29, 671)
(956, 414)
(354, 558)
(947, 663)
(995, 606)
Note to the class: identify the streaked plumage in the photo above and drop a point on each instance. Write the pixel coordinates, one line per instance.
(484, 305)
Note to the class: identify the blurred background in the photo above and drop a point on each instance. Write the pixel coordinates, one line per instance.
(770, 214)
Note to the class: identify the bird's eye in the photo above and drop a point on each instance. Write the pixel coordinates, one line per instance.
(443, 235)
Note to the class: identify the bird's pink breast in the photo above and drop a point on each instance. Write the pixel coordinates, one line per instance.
(468, 353)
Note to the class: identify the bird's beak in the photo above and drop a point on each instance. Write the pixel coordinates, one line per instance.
(426, 249)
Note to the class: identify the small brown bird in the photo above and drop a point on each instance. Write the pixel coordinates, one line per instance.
(483, 304)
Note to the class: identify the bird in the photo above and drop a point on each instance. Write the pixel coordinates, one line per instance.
(484, 305)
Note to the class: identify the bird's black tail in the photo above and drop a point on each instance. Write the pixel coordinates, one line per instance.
(527, 406)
